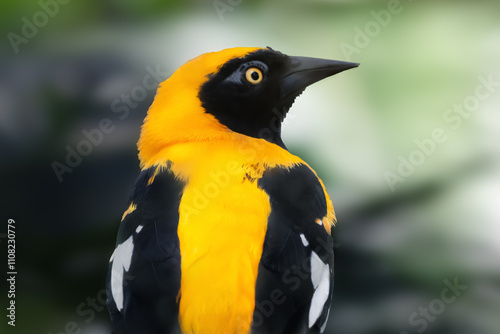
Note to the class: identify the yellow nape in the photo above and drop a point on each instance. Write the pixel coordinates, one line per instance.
(176, 115)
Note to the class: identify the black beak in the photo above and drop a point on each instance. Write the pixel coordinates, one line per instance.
(304, 71)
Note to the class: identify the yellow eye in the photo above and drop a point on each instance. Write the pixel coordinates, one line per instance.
(254, 75)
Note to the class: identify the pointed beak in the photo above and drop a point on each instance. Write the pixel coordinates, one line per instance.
(304, 71)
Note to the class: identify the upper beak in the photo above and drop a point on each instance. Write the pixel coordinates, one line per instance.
(304, 71)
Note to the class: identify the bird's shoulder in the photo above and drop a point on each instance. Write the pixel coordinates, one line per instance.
(297, 258)
(147, 255)
(300, 206)
(154, 200)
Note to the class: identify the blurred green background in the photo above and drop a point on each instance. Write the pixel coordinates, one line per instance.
(396, 247)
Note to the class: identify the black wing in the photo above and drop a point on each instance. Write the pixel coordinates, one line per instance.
(144, 273)
(295, 279)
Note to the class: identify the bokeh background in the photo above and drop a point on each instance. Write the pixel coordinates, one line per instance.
(395, 248)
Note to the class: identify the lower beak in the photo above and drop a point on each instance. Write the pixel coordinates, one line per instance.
(304, 71)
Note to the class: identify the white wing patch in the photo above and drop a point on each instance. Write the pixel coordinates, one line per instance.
(122, 257)
(320, 277)
(304, 240)
(317, 268)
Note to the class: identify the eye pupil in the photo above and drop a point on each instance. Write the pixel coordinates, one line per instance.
(255, 75)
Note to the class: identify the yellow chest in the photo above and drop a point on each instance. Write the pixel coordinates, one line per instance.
(222, 224)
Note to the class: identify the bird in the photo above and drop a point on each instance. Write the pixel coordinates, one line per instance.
(226, 231)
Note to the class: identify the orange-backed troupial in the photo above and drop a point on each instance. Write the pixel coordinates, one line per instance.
(227, 232)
